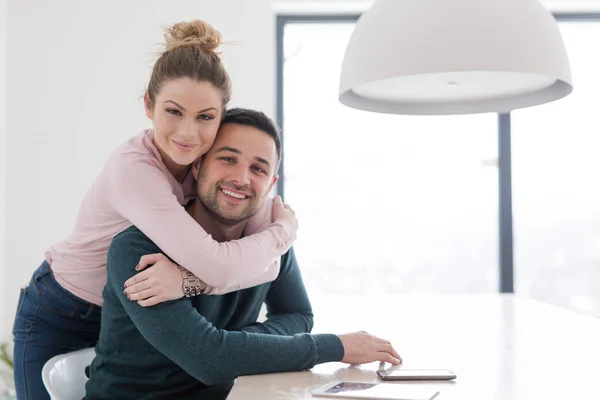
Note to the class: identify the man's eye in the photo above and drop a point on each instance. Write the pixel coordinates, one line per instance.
(259, 169)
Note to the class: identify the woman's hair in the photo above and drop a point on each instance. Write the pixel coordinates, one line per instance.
(190, 53)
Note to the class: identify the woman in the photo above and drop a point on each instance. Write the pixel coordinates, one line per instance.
(145, 182)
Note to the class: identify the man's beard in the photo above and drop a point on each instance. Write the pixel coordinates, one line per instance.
(209, 197)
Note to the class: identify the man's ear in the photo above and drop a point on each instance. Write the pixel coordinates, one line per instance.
(148, 106)
(196, 168)
(275, 179)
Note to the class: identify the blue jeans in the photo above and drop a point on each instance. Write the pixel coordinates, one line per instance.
(49, 321)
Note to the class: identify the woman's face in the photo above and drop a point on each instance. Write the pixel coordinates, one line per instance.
(186, 115)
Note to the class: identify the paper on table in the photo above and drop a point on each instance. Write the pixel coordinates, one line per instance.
(375, 391)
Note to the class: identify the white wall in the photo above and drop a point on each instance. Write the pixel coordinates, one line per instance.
(3, 10)
(358, 6)
(76, 73)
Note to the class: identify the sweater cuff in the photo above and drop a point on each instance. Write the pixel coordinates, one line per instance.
(329, 348)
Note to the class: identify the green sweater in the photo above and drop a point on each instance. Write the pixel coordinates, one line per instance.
(195, 347)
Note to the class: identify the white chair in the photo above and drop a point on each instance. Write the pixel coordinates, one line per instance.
(64, 375)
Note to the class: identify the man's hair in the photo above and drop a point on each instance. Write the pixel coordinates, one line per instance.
(256, 119)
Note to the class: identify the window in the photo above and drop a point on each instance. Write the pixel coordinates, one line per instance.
(556, 178)
(386, 203)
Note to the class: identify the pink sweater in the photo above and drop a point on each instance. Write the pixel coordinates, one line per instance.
(136, 188)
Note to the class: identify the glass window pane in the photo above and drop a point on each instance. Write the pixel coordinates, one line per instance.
(386, 203)
(556, 169)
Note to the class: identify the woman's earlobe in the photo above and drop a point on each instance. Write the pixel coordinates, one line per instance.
(148, 107)
(196, 168)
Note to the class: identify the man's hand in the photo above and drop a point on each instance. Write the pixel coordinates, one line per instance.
(162, 282)
(362, 348)
(284, 212)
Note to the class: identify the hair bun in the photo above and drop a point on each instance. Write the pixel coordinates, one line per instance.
(193, 33)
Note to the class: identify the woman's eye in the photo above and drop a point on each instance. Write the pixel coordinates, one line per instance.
(205, 117)
(172, 111)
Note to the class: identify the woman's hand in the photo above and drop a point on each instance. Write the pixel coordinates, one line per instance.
(162, 282)
(283, 212)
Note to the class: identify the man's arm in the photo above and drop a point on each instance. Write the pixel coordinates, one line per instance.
(288, 307)
(209, 354)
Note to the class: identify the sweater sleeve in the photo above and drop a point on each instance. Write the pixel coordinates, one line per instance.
(141, 193)
(288, 308)
(209, 354)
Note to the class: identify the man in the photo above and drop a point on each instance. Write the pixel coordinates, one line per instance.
(195, 347)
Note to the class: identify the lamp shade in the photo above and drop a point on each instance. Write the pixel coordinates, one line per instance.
(436, 57)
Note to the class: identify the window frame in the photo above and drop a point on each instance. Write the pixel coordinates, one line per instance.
(505, 220)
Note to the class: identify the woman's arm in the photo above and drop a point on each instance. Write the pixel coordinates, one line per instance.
(141, 193)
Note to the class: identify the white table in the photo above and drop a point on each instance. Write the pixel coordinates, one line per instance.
(500, 347)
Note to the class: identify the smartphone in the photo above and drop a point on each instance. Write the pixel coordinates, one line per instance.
(416, 375)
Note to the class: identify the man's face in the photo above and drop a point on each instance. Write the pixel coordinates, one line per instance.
(237, 173)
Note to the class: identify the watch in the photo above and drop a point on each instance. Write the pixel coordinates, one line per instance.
(192, 285)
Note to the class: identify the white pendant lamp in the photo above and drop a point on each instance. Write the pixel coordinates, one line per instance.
(435, 57)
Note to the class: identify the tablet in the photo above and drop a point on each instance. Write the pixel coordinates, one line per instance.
(401, 374)
(375, 391)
